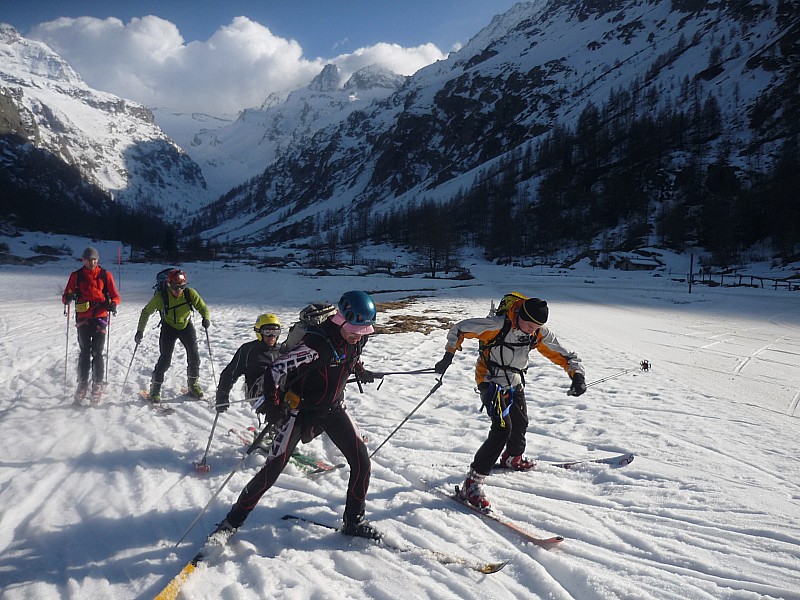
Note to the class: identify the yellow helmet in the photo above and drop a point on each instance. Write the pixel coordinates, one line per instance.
(270, 321)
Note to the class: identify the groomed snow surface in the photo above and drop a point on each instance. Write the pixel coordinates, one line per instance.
(93, 500)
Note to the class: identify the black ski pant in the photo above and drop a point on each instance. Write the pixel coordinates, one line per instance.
(166, 344)
(91, 339)
(345, 435)
(509, 414)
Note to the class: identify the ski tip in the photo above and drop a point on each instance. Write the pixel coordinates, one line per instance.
(490, 568)
(551, 542)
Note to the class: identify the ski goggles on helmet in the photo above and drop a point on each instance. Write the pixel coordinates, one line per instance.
(354, 328)
(177, 286)
(270, 331)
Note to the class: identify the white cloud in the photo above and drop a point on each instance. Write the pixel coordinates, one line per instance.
(403, 61)
(147, 60)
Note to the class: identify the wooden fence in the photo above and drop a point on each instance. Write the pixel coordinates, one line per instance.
(743, 280)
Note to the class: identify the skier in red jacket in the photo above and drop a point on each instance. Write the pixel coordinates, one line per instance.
(95, 295)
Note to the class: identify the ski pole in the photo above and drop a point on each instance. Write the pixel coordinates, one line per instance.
(381, 375)
(202, 466)
(247, 453)
(66, 351)
(211, 358)
(108, 347)
(416, 372)
(130, 364)
(643, 366)
(436, 386)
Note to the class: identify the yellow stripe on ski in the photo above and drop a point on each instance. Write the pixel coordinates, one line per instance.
(174, 587)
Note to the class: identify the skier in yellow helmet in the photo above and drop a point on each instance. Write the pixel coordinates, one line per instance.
(251, 360)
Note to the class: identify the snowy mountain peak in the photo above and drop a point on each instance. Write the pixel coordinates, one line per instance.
(372, 77)
(8, 35)
(237, 152)
(113, 144)
(22, 56)
(327, 80)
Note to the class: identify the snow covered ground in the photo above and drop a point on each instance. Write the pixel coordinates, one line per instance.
(93, 500)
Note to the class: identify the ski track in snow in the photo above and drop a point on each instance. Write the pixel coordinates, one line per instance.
(93, 499)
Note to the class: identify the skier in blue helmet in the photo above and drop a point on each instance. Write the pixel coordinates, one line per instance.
(310, 378)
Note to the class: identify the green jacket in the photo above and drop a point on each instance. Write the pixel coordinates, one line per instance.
(178, 311)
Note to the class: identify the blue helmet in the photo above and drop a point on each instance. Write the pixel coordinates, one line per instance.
(357, 308)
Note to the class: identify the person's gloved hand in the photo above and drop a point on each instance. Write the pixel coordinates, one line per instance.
(578, 386)
(138, 337)
(70, 298)
(267, 401)
(206, 323)
(365, 376)
(441, 366)
(222, 402)
(112, 307)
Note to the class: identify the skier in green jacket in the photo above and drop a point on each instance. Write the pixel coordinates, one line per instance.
(175, 304)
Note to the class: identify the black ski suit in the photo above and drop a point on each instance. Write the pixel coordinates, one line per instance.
(315, 371)
(251, 360)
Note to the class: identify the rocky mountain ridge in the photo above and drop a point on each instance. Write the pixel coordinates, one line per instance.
(112, 145)
(531, 72)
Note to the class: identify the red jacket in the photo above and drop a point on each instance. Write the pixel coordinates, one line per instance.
(94, 288)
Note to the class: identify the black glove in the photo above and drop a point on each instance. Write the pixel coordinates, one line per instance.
(70, 298)
(365, 376)
(138, 337)
(112, 307)
(206, 323)
(222, 402)
(267, 402)
(441, 366)
(578, 386)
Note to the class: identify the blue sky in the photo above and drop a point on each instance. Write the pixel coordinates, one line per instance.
(324, 28)
(221, 57)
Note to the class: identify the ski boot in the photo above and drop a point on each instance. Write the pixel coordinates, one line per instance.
(472, 491)
(223, 532)
(217, 540)
(195, 391)
(98, 388)
(516, 463)
(358, 526)
(81, 391)
(155, 392)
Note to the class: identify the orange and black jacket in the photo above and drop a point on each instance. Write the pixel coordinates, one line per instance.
(94, 289)
(504, 349)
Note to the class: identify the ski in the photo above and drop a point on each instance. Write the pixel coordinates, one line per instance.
(213, 548)
(613, 461)
(544, 542)
(440, 557)
(308, 464)
(156, 406)
(173, 588)
(313, 466)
